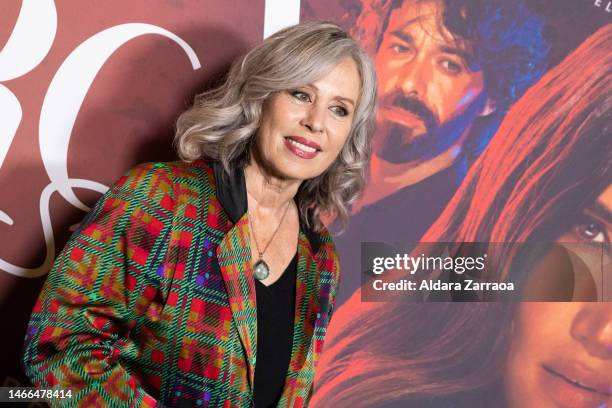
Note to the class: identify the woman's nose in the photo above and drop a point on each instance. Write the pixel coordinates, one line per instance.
(314, 119)
(592, 326)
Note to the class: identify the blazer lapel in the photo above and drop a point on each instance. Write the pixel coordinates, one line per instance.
(234, 256)
(306, 309)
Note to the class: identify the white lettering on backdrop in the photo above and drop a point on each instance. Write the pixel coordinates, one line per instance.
(67, 92)
(279, 14)
(28, 44)
(35, 31)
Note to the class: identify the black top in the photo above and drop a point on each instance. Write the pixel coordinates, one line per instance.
(275, 315)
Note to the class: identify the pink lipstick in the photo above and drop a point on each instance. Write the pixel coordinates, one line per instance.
(302, 147)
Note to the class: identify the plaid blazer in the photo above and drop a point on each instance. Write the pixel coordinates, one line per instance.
(152, 301)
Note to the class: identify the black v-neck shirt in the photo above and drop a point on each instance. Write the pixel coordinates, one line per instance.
(275, 316)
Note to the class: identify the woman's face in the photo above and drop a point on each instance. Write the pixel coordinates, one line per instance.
(561, 356)
(561, 353)
(304, 129)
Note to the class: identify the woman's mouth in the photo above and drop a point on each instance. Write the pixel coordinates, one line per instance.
(302, 147)
(570, 385)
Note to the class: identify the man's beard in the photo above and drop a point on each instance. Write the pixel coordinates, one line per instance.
(399, 144)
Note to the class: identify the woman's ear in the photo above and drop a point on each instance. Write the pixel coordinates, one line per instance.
(489, 107)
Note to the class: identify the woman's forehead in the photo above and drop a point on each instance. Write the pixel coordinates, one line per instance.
(342, 81)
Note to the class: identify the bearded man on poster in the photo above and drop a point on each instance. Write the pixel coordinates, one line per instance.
(447, 73)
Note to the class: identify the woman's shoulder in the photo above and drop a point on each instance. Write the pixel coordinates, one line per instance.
(167, 184)
(193, 173)
(177, 168)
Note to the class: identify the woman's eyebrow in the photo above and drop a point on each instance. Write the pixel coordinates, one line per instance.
(601, 211)
(347, 100)
(338, 97)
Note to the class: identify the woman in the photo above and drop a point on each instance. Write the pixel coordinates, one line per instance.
(560, 356)
(546, 176)
(211, 282)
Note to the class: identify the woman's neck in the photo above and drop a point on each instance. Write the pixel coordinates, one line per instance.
(265, 191)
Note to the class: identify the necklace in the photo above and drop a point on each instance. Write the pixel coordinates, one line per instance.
(261, 268)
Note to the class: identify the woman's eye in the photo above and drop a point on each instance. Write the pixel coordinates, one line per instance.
(302, 96)
(340, 111)
(591, 231)
(451, 66)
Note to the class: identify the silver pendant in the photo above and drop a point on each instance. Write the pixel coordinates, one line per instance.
(261, 270)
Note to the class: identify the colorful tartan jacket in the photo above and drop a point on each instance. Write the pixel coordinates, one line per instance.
(152, 301)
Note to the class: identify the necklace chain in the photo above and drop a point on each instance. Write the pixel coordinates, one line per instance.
(273, 234)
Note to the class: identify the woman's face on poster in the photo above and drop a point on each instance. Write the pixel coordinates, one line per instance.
(303, 130)
(561, 352)
(561, 356)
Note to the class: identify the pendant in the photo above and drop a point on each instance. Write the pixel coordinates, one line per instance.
(261, 269)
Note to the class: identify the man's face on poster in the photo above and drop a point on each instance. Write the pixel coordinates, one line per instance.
(429, 95)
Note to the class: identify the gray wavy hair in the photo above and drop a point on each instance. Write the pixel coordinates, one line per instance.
(222, 122)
